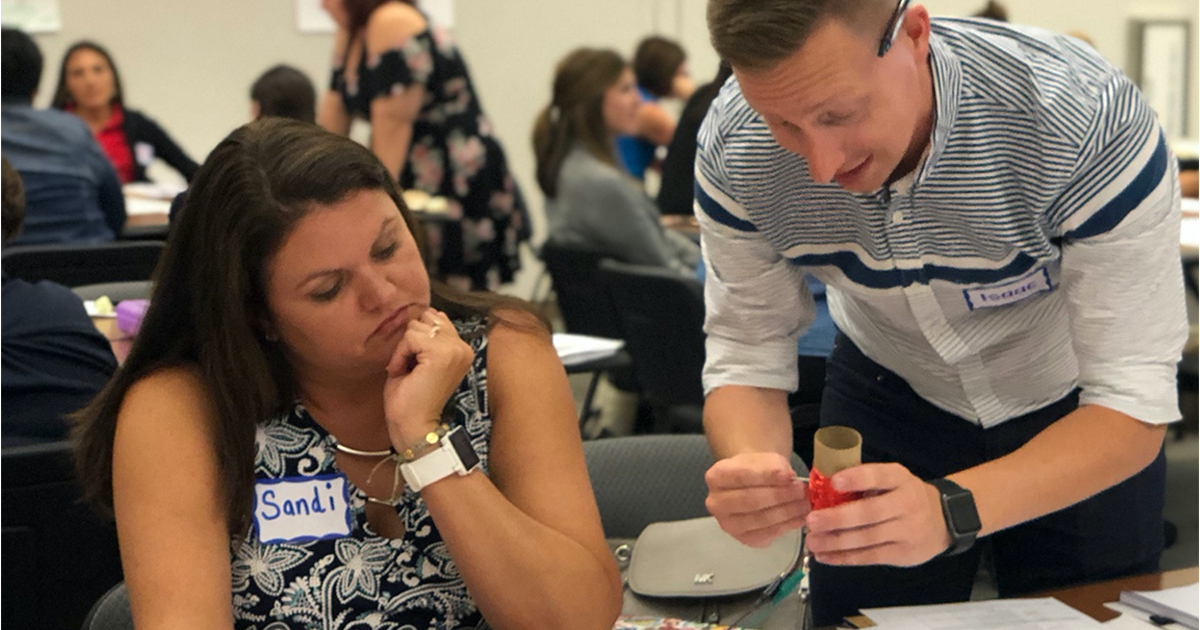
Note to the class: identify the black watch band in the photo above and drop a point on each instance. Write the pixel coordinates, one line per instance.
(962, 519)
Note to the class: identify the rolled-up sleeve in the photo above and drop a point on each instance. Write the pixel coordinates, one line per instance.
(756, 301)
(1120, 262)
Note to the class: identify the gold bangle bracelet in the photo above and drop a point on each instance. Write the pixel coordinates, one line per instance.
(426, 443)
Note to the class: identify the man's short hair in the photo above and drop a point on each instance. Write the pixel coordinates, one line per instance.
(12, 201)
(22, 65)
(285, 92)
(756, 35)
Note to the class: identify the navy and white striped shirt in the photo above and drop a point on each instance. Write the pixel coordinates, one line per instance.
(1034, 250)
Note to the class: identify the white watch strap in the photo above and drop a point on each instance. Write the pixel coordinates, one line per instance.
(441, 462)
(430, 467)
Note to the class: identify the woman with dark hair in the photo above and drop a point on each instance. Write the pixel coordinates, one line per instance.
(660, 66)
(405, 76)
(306, 416)
(591, 204)
(89, 86)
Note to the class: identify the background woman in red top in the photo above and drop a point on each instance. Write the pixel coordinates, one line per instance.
(90, 87)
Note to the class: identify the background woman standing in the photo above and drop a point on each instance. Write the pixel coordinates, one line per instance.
(407, 78)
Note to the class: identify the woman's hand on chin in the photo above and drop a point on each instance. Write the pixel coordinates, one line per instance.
(426, 368)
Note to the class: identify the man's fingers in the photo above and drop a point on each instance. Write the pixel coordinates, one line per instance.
(850, 539)
(762, 537)
(870, 477)
(749, 470)
(765, 518)
(748, 500)
(857, 514)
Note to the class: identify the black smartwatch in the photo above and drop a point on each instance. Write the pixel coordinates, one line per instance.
(962, 519)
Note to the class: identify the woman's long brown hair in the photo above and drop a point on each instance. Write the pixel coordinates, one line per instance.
(576, 113)
(209, 299)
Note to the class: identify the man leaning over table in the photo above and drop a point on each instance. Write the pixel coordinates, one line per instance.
(996, 217)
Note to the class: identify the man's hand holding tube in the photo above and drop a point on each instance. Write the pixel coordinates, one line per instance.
(898, 521)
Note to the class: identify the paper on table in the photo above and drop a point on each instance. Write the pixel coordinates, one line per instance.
(1000, 614)
(1181, 603)
(574, 349)
(1134, 619)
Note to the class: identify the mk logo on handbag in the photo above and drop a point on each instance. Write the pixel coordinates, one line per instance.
(704, 578)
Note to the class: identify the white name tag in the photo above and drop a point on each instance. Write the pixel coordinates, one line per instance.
(301, 509)
(1036, 281)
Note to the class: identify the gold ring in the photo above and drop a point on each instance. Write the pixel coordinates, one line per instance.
(434, 331)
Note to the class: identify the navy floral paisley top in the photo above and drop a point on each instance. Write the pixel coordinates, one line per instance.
(452, 154)
(361, 580)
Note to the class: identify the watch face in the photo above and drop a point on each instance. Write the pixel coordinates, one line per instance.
(963, 514)
(464, 450)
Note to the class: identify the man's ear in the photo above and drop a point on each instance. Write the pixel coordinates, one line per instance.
(916, 28)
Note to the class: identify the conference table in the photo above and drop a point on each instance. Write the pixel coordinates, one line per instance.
(1089, 599)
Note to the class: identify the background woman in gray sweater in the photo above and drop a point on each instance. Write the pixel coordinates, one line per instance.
(591, 205)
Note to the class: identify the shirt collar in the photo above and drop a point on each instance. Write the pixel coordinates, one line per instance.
(947, 90)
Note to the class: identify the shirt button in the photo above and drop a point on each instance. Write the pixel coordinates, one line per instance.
(897, 217)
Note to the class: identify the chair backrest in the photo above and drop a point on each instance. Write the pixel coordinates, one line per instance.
(111, 612)
(643, 479)
(58, 556)
(586, 307)
(76, 265)
(662, 316)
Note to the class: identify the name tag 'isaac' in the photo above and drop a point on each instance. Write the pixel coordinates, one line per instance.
(1032, 283)
(300, 509)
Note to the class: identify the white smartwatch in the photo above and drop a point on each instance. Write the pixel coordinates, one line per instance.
(454, 455)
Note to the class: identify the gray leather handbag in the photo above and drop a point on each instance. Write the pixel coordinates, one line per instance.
(694, 571)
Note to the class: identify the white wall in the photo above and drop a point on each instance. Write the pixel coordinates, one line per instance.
(190, 64)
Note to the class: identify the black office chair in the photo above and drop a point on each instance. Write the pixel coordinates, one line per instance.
(59, 557)
(157, 232)
(585, 305)
(76, 265)
(662, 316)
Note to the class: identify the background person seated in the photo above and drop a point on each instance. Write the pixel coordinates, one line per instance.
(675, 194)
(54, 359)
(89, 86)
(71, 191)
(591, 205)
(660, 66)
(283, 91)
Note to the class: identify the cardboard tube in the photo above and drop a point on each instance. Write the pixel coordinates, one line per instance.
(836, 449)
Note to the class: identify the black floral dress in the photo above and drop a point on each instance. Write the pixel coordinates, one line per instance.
(351, 579)
(452, 154)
